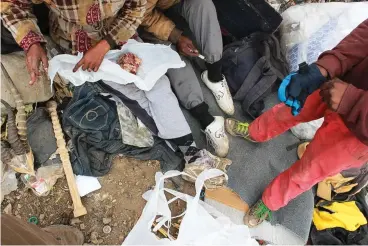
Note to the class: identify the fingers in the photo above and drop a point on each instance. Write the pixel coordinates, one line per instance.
(97, 66)
(79, 64)
(192, 48)
(45, 62)
(33, 78)
(33, 69)
(189, 51)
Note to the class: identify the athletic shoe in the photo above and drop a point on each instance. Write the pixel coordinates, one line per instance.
(216, 136)
(221, 92)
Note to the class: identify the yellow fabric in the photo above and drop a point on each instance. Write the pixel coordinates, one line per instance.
(155, 21)
(344, 215)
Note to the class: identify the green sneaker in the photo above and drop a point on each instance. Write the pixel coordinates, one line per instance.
(257, 214)
(237, 128)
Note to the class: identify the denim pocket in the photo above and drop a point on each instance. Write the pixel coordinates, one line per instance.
(92, 114)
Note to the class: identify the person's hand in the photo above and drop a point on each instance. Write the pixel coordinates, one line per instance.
(93, 58)
(186, 47)
(34, 56)
(332, 92)
(305, 83)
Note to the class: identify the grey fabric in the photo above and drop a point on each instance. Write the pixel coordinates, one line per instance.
(161, 103)
(186, 85)
(41, 138)
(133, 132)
(202, 19)
(255, 165)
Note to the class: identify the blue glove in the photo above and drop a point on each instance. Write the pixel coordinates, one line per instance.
(305, 82)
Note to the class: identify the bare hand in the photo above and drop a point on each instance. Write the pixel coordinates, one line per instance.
(186, 47)
(93, 58)
(34, 56)
(332, 92)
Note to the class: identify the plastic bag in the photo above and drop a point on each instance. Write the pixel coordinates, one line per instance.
(44, 180)
(307, 130)
(156, 60)
(201, 224)
(309, 29)
(9, 183)
(23, 163)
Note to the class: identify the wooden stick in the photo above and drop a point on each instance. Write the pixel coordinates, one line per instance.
(79, 209)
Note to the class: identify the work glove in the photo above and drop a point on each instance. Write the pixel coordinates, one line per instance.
(305, 82)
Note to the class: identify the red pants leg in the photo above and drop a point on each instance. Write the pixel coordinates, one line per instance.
(333, 149)
(279, 119)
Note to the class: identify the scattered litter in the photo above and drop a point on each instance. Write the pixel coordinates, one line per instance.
(75, 221)
(106, 221)
(8, 209)
(94, 237)
(33, 220)
(44, 180)
(87, 184)
(106, 229)
(42, 217)
(82, 226)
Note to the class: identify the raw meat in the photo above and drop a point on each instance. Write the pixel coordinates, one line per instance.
(129, 62)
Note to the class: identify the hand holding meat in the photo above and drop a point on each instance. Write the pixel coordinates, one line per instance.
(93, 58)
(34, 56)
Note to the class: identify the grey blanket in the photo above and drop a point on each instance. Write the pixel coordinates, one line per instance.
(255, 165)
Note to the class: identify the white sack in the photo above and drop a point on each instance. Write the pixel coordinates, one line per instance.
(201, 224)
(309, 29)
(156, 60)
(306, 131)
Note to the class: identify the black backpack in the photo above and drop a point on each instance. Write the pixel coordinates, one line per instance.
(252, 66)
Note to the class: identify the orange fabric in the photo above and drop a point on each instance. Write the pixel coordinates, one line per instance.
(333, 149)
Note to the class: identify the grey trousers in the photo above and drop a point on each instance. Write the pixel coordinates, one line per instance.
(161, 104)
(202, 19)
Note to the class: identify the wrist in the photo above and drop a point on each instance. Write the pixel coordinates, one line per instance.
(105, 46)
(175, 35)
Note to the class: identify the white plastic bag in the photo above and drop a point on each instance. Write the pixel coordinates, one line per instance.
(201, 224)
(307, 130)
(156, 60)
(309, 29)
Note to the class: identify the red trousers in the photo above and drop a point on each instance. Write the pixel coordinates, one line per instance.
(333, 149)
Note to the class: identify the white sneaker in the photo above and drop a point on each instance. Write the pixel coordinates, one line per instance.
(217, 137)
(221, 92)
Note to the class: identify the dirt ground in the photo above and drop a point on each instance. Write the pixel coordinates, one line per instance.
(116, 206)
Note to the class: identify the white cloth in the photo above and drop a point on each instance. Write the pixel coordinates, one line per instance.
(156, 60)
